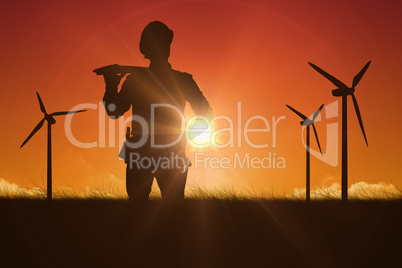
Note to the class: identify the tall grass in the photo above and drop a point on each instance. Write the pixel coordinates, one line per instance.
(110, 192)
(358, 191)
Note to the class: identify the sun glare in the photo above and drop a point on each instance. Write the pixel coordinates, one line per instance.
(199, 131)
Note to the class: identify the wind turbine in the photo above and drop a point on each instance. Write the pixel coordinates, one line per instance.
(307, 123)
(344, 91)
(50, 121)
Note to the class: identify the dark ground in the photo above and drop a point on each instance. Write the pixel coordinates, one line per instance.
(200, 233)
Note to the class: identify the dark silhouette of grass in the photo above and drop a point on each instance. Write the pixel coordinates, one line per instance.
(110, 192)
(206, 232)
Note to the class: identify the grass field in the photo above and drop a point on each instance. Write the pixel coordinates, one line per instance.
(200, 233)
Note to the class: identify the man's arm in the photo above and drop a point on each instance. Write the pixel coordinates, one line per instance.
(116, 103)
(197, 100)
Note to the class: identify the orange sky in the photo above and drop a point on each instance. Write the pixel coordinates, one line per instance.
(249, 51)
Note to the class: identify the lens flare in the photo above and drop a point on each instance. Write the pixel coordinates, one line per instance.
(199, 131)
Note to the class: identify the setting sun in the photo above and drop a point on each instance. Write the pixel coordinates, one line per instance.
(199, 131)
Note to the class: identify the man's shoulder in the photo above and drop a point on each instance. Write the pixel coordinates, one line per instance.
(183, 75)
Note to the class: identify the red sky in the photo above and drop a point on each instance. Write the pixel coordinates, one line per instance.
(255, 52)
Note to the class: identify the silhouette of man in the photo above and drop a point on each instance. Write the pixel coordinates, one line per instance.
(154, 148)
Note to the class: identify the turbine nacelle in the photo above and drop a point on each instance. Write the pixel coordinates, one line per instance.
(306, 122)
(339, 92)
(50, 119)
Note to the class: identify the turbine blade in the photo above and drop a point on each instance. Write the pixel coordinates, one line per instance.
(317, 112)
(64, 113)
(316, 137)
(42, 107)
(359, 76)
(38, 126)
(333, 80)
(359, 117)
(297, 112)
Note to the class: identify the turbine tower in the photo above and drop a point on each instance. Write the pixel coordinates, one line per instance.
(344, 91)
(50, 121)
(307, 123)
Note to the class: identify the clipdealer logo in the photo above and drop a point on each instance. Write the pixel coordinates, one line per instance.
(200, 133)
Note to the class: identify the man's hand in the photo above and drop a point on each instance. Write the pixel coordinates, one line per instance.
(112, 81)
